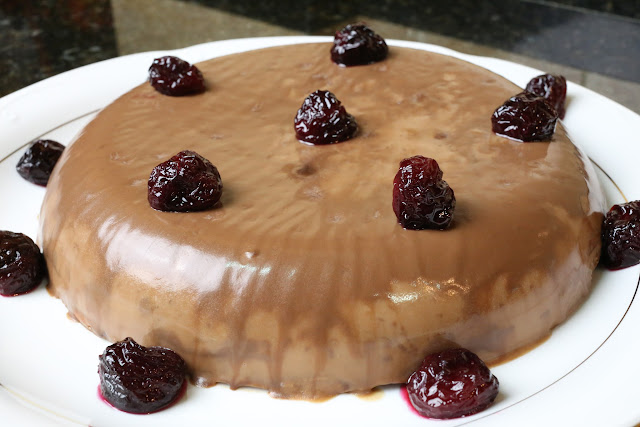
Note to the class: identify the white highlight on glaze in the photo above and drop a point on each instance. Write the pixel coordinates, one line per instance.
(191, 267)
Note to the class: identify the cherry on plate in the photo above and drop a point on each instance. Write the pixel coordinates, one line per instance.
(37, 163)
(453, 383)
(621, 236)
(139, 379)
(22, 265)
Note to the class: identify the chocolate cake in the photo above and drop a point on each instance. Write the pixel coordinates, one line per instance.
(300, 280)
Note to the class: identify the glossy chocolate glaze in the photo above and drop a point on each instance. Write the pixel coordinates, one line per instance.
(301, 281)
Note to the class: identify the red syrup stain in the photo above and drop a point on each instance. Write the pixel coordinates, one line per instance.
(405, 396)
(179, 396)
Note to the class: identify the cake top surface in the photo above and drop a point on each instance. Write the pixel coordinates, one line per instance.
(279, 192)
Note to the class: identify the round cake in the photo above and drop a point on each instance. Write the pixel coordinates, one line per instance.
(300, 280)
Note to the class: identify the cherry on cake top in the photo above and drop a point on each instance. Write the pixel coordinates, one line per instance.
(357, 44)
(421, 198)
(525, 117)
(37, 163)
(322, 119)
(551, 87)
(185, 182)
(173, 76)
(22, 265)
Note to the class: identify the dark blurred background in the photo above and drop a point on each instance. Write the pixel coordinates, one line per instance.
(593, 43)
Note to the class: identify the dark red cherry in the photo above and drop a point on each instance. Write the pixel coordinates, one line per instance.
(421, 198)
(357, 44)
(22, 266)
(185, 182)
(173, 76)
(451, 384)
(551, 87)
(139, 379)
(525, 117)
(621, 236)
(38, 161)
(322, 119)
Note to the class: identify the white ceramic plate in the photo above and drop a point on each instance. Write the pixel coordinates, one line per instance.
(586, 373)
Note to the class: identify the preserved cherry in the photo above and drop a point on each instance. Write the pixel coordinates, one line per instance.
(38, 161)
(139, 379)
(421, 198)
(185, 182)
(322, 119)
(525, 117)
(551, 87)
(621, 236)
(173, 76)
(451, 384)
(22, 266)
(357, 44)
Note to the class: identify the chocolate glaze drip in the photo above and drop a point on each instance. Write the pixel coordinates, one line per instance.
(301, 281)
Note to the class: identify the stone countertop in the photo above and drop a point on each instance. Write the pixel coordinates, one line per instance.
(593, 43)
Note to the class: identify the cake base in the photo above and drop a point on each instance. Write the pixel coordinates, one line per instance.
(301, 281)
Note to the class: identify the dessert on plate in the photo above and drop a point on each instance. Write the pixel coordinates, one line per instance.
(300, 279)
